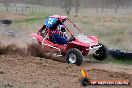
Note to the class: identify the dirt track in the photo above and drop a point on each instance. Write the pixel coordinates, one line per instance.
(25, 71)
(35, 72)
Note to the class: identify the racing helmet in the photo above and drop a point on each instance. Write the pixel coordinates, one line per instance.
(51, 23)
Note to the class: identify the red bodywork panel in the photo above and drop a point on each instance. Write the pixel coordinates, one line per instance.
(94, 39)
(39, 37)
(49, 43)
(83, 47)
(61, 47)
(59, 17)
(79, 45)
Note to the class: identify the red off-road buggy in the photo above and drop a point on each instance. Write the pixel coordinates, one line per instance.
(79, 44)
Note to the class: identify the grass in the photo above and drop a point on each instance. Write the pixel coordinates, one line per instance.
(123, 61)
(33, 23)
(29, 21)
(113, 31)
(109, 59)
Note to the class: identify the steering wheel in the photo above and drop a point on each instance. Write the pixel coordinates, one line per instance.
(72, 38)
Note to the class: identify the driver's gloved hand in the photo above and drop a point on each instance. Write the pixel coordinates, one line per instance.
(39, 33)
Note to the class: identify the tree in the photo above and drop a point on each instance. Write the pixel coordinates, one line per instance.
(6, 4)
(103, 3)
(67, 6)
(119, 3)
(77, 5)
(96, 5)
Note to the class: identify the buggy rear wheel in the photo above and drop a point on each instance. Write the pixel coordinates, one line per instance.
(74, 56)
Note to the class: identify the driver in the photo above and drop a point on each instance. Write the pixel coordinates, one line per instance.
(60, 38)
(57, 31)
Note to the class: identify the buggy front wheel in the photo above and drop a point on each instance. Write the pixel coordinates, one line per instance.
(101, 53)
(74, 56)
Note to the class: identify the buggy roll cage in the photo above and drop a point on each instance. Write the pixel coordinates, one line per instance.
(61, 18)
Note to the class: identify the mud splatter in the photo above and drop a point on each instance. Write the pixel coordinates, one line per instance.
(31, 50)
(12, 49)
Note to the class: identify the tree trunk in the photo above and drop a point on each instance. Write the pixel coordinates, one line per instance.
(77, 5)
(96, 5)
(15, 7)
(102, 6)
(22, 11)
(6, 7)
(32, 10)
(117, 6)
